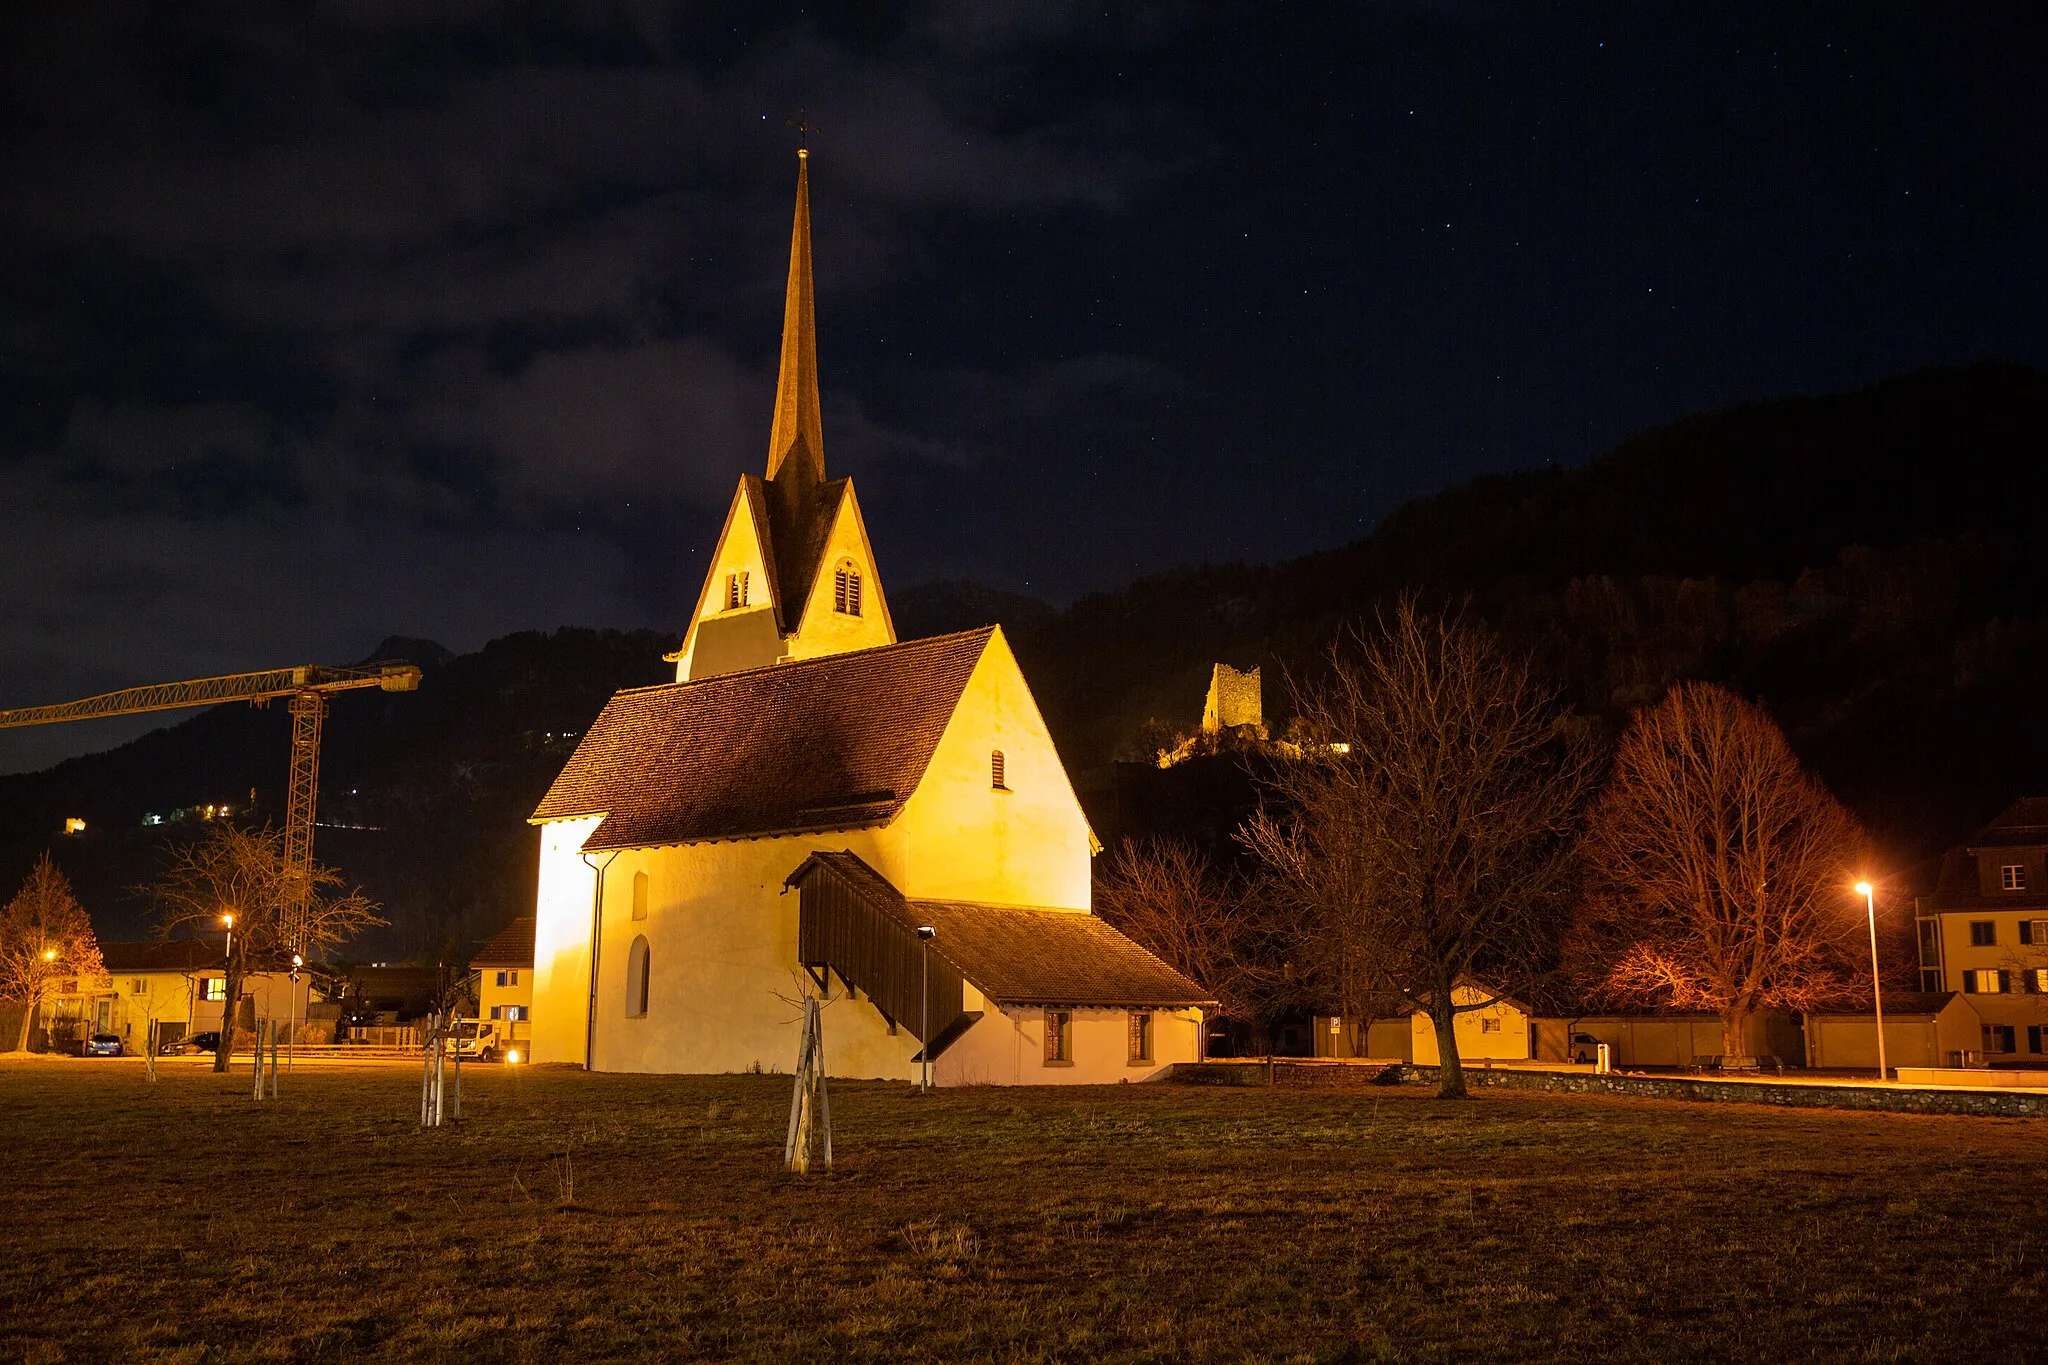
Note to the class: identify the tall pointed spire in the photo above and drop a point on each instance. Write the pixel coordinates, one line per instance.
(799, 433)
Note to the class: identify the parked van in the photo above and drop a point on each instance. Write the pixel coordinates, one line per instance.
(481, 1039)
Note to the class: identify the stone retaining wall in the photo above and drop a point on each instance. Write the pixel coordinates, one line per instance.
(2004, 1104)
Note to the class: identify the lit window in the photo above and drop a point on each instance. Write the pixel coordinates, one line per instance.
(1983, 933)
(639, 895)
(2034, 980)
(516, 1012)
(636, 979)
(2013, 877)
(1141, 1036)
(216, 988)
(995, 771)
(1059, 1037)
(1985, 981)
(846, 590)
(736, 590)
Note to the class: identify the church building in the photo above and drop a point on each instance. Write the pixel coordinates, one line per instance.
(814, 807)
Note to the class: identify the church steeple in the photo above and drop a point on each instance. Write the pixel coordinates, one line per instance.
(797, 440)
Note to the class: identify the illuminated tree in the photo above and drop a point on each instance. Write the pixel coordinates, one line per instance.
(44, 935)
(1719, 871)
(237, 880)
(1427, 830)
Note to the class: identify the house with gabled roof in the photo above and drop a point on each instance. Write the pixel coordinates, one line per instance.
(1983, 933)
(806, 797)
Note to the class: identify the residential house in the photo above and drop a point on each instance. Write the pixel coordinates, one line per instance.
(1984, 933)
(504, 983)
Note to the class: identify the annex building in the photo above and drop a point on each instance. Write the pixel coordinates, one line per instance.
(814, 807)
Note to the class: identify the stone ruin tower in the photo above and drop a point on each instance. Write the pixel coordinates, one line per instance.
(1235, 701)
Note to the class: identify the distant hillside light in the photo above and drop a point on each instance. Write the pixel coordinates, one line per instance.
(74, 825)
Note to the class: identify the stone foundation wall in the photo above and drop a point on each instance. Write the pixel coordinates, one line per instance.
(2000, 1104)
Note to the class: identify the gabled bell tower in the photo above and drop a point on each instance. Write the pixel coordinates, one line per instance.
(793, 575)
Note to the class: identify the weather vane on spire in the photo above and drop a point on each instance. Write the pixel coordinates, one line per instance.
(804, 127)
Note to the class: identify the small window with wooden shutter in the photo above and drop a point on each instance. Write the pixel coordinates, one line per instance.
(997, 778)
(1059, 1037)
(846, 590)
(736, 590)
(1141, 1036)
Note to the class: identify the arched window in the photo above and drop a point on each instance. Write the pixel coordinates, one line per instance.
(846, 589)
(995, 771)
(636, 979)
(639, 895)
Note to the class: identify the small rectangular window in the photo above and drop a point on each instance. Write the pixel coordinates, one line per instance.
(996, 773)
(1983, 933)
(2034, 1038)
(1141, 1036)
(498, 1011)
(2034, 980)
(216, 988)
(1984, 981)
(515, 976)
(1930, 980)
(2013, 877)
(1059, 1037)
(1998, 1038)
(501, 979)
(1489, 1026)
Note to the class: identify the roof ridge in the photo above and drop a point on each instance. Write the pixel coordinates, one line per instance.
(791, 665)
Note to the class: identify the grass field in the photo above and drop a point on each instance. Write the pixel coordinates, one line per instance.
(575, 1218)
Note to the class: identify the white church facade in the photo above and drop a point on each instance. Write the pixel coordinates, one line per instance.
(815, 807)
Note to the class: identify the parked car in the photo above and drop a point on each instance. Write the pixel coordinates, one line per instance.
(196, 1042)
(102, 1045)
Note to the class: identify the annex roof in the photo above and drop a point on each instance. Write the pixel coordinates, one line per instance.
(511, 946)
(838, 742)
(2023, 823)
(1899, 1005)
(1020, 954)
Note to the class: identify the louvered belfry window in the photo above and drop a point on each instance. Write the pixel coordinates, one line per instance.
(736, 590)
(996, 776)
(846, 590)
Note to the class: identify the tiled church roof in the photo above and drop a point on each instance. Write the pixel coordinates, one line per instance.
(838, 742)
(1024, 955)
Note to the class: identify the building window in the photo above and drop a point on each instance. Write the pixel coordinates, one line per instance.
(636, 979)
(1930, 980)
(498, 1011)
(2034, 931)
(736, 590)
(1489, 1025)
(502, 982)
(1059, 1037)
(846, 590)
(1998, 1038)
(2013, 877)
(214, 988)
(1141, 1036)
(639, 895)
(2034, 1038)
(1986, 981)
(2034, 980)
(996, 775)
(516, 1012)
(1983, 933)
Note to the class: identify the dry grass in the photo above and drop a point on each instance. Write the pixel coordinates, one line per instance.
(618, 1217)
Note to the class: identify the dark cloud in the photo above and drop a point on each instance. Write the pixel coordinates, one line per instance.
(326, 323)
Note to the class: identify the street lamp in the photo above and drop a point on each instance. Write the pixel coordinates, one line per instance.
(925, 935)
(229, 921)
(1869, 894)
(291, 1034)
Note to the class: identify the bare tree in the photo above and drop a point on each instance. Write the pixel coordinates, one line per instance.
(1719, 871)
(1211, 924)
(44, 934)
(1427, 828)
(237, 878)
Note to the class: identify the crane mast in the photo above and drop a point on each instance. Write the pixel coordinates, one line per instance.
(308, 687)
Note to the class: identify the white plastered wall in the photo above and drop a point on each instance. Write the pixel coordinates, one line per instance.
(964, 840)
(821, 630)
(1509, 1041)
(1007, 1047)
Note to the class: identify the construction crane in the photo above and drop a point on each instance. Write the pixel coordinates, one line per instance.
(307, 686)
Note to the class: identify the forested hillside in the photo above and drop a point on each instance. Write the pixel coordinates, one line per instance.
(1867, 564)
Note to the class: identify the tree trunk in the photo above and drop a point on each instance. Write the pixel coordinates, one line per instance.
(1451, 1072)
(28, 1016)
(230, 1008)
(1735, 1031)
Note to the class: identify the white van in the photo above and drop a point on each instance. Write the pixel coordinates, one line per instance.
(481, 1040)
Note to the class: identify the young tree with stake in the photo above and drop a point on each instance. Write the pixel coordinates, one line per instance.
(1719, 871)
(1427, 830)
(44, 934)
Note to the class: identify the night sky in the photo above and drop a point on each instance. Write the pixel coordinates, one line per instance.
(325, 323)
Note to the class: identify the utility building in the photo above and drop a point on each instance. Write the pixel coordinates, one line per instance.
(805, 799)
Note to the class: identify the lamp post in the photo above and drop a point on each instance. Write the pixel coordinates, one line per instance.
(925, 935)
(1869, 894)
(291, 1033)
(229, 921)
